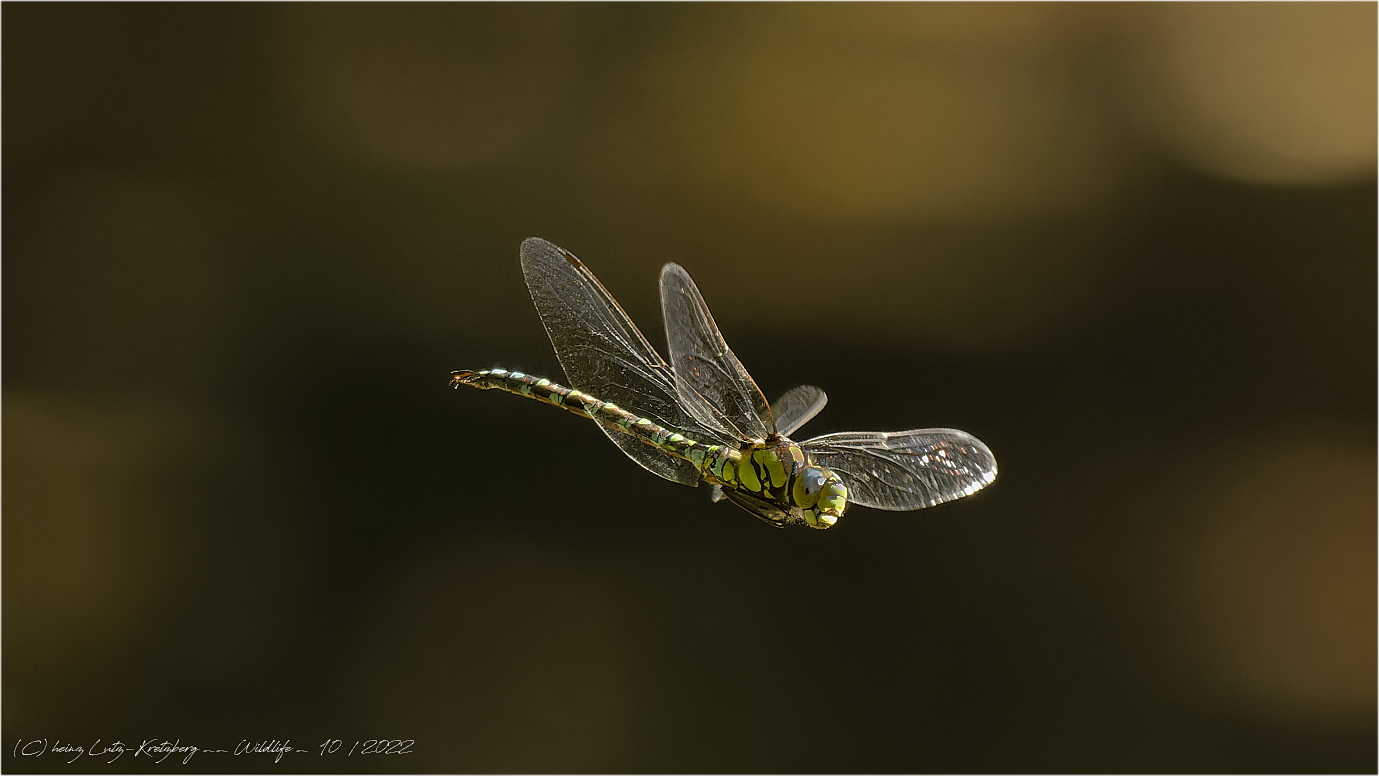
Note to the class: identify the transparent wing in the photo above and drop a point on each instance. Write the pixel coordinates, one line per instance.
(797, 407)
(603, 353)
(712, 384)
(905, 470)
(764, 511)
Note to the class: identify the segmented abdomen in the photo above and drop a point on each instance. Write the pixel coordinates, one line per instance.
(767, 470)
(607, 413)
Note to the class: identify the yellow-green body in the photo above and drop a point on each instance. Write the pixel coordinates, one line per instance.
(773, 478)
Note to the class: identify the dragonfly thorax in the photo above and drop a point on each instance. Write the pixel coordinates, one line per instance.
(778, 482)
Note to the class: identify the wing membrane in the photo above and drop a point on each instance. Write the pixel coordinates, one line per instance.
(797, 407)
(763, 510)
(905, 470)
(712, 384)
(604, 354)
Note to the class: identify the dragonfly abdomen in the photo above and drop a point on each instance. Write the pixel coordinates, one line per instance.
(580, 403)
(767, 472)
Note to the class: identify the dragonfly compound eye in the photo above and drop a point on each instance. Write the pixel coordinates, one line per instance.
(832, 501)
(821, 496)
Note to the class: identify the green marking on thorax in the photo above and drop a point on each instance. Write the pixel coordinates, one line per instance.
(747, 472)
(775, 469)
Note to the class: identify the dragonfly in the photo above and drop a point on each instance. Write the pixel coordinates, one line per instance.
(700, 417)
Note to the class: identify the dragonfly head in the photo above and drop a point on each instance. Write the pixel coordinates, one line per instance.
(821, 496)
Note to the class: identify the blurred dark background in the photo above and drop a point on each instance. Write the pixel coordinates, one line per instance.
(1131, 247)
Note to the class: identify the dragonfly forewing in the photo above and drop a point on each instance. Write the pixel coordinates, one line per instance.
(712, 384)
(604, 354)
(904, 470)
